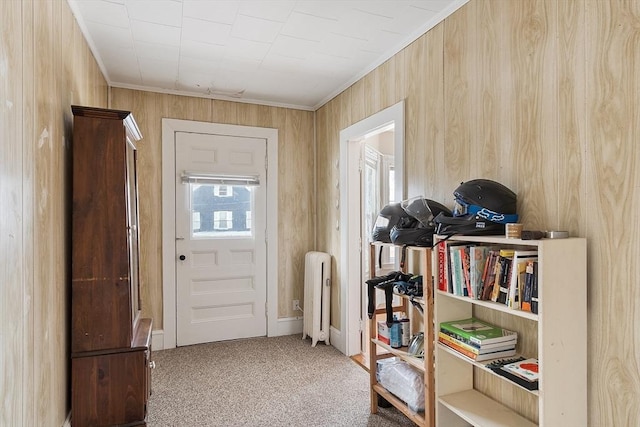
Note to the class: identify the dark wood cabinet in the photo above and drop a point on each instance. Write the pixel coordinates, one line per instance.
(110, 342)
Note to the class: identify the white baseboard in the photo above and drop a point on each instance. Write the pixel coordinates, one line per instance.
(335, 335)
(67, 422)
(287, 326)
(157, 340)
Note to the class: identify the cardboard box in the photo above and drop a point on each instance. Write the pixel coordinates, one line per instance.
(383, 332)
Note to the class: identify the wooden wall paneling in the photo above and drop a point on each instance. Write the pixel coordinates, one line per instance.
(12, 244)
(370, 95)
(48, 190)
(296, 205)
(399, 84)
(357, 101)
(434, 161)
(572, 123)
(247, 113)
(494, 86)
(535, 138)
(386, 83)
(416, 118)
(613, 131)
(323, 185)
(186, 108)
(27, 321)
(459, 63)
(36, 87)
(434, 119)
(345, 108)
(224, 112)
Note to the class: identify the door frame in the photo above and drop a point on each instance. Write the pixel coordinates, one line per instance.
(169, 128)
(349, 341)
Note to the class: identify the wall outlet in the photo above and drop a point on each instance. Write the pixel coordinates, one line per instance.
(296, 305)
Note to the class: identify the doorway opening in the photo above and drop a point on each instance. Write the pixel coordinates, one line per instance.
(383, 174)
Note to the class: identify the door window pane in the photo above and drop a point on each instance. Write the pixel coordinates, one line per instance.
(221, 210)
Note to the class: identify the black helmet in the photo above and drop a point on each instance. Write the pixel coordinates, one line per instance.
(481, 206)
(389, 216)
(417, 228)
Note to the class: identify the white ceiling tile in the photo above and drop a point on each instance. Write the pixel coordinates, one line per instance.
(123, 75)
(293, 47)
(198, 66)
(342, 46)
(413, 19)
(277, 11)
(247, 49)
(110, 37)
(255, 29)
(104, 12)
(165, 12)
(282, 64)
(205, 31)
(157, 51)
(200, 50)
(155, 33)
(220, 11)
(152, 69)
(308, 27)
(332, 9)
(432, 5)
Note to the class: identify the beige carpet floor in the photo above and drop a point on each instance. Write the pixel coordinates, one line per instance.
(280, 381)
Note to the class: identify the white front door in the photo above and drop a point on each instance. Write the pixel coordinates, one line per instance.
(221, 277)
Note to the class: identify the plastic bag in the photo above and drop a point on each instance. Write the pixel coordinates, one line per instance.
(401, 379)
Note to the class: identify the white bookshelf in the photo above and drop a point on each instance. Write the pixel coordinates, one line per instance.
(467, 393)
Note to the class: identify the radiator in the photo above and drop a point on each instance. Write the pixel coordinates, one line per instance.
(317, 297)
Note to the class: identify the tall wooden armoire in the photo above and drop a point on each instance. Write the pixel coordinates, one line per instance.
(110, 342)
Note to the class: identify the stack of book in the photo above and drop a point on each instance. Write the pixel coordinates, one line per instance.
(478, 340)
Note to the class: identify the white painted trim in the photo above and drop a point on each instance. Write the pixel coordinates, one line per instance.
(289, 326)
(337, 340)
(350, 224)
(169, 128)
(157, 340)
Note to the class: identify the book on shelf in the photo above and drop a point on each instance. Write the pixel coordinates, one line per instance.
(477, 357)
(457, 274)
(478, 331)
(443, 271)
(505, 276)
(456, 269)
(491, 348)
(477, 261)
(464, 256)
(528, 286)
(518, 265)
(499, 272)
(475, 345)
(523, 372)
(534, 289)
(489, 275)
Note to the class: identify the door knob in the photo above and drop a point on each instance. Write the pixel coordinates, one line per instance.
(182, 257)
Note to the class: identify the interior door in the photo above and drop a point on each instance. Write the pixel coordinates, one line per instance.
(220, 237)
